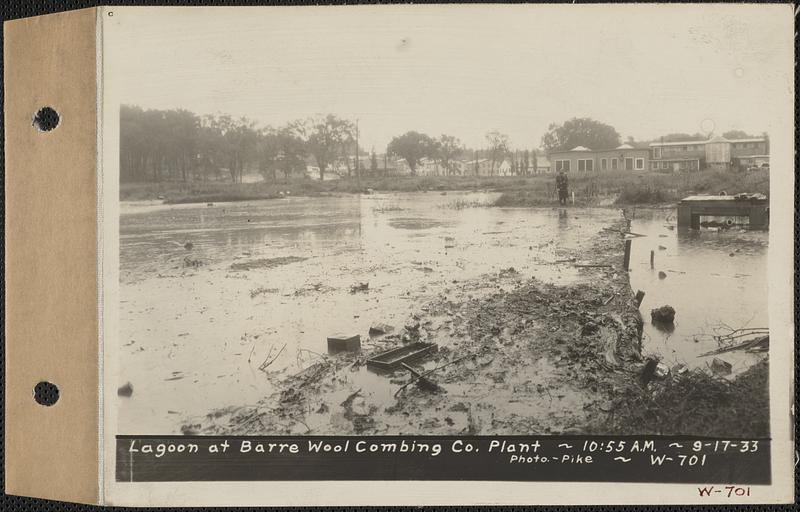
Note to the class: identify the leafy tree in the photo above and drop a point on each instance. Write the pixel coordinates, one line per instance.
(681, 137)
(447, 148)
(498, 147)
(280, 150)
(234, 144)
(580, 132)
(291, 153)
(412, 146)
(157, 144)
(325, 137)
(373, 162)
(526, 162)
(737, 134)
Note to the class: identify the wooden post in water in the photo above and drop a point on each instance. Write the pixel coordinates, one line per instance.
(627, 262)
(652, 258)
(639, 298)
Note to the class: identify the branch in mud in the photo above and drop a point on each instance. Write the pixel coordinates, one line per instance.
(750, 339)
(429, 372)
(268, 361)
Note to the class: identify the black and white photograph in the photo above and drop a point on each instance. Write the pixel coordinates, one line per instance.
(445, 221)
(433, 224)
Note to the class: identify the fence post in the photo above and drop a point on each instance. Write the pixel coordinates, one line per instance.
(627, 262)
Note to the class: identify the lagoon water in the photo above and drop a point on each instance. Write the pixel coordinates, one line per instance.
(192, 338)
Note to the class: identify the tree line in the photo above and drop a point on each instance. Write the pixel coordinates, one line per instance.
(158, 145)
(179, 145)
(176, 144)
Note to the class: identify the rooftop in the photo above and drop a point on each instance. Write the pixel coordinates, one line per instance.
(702, 142)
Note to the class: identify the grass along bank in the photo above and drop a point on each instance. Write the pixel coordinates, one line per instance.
(626, 188)
(622, 187)
(218, 191)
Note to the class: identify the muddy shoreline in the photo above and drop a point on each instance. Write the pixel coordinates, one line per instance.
(522, 356)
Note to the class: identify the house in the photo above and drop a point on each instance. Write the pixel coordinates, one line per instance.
(542, 166)
(584, 160)
(505, 168)
(430, 167)
(480, 167)
(401, 167)
(716, 153)
(677, 156)
(312, 172)
(745, 162)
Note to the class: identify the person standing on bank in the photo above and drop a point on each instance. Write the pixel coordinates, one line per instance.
(562, 186)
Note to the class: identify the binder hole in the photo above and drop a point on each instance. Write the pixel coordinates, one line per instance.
(45, 393)
(46, 119)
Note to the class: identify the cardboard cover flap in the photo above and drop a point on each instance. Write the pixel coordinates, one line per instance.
(51, 257)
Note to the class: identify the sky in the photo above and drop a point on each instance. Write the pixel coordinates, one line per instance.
(462, 70)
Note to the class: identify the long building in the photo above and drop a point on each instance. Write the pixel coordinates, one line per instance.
(693, 155)
(716, 153)
(584, 160)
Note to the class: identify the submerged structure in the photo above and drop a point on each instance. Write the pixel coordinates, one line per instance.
(753, 206)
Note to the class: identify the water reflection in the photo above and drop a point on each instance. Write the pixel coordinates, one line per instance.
(714, 280)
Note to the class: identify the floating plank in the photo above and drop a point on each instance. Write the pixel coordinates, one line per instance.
(394, 358)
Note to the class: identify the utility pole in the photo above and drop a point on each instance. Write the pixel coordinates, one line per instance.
(358, 171)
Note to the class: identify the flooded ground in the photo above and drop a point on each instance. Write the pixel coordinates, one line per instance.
(714, 279)
(195, 331)
(221, 303)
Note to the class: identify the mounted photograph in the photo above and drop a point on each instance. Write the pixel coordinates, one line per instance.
(351, 223)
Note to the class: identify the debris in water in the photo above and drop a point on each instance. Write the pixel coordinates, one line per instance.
(380, 329)
(720, 367)
(662, 248)
(344, 343)
(422, 381)
(661, 371)
(663, 315)
(266, 263)
(589, 328)
(270, 359)
(648, 372)
(396, 357)
(190, 262)
(760, 343)
(125, 390)
(188, 246)
(359, 287)
(191, 430)
(662, 274)
(679, 369)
